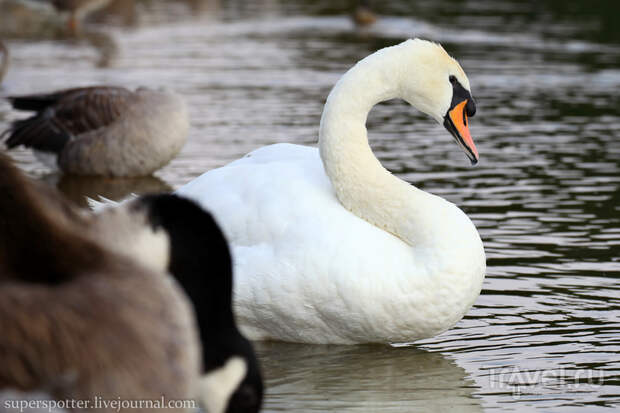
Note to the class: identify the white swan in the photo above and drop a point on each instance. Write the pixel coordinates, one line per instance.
(342, 251)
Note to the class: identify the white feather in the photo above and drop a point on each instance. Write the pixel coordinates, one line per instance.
(103, 202)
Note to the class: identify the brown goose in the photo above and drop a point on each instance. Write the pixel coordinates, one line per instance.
(103, 130)
(79, 320)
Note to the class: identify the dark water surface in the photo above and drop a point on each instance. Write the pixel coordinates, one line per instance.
(545, 333)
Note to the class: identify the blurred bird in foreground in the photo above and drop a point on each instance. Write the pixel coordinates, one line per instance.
(80, 320)
(99, 304)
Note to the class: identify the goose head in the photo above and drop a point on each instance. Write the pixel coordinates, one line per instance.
(436, 84)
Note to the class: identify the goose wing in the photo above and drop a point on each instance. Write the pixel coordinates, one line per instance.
(63, 115)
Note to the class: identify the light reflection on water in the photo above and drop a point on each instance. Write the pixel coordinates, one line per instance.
(545, 196)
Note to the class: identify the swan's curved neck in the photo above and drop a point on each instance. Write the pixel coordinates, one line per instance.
(361, 183)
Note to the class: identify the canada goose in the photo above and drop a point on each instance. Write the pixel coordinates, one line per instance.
(151, 232)
(80, 321)
(329, 246)
(103, 130)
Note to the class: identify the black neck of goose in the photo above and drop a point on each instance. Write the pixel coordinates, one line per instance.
(36, 241)
(199, 259)
(204, 271)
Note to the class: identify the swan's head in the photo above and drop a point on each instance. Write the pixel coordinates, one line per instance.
(437, 85)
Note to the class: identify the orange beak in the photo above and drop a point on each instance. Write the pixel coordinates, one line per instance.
(456, 123)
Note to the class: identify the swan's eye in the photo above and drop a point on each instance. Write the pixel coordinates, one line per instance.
(452, 79)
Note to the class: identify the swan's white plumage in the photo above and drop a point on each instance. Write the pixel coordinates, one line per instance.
(305, 269)
(308, 269)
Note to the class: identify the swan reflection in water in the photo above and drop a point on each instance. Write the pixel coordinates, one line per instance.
(366, 378)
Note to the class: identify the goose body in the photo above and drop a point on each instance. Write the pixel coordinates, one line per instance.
(72, 323)
(329, 246)
(103, 130)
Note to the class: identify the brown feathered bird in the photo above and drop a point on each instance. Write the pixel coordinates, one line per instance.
(80, 320)
(102, 130)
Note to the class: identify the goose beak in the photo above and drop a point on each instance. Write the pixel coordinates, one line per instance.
(456, 123)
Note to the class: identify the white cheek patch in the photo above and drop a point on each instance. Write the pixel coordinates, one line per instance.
(217, 386)
(151, 248)
(129, 233)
